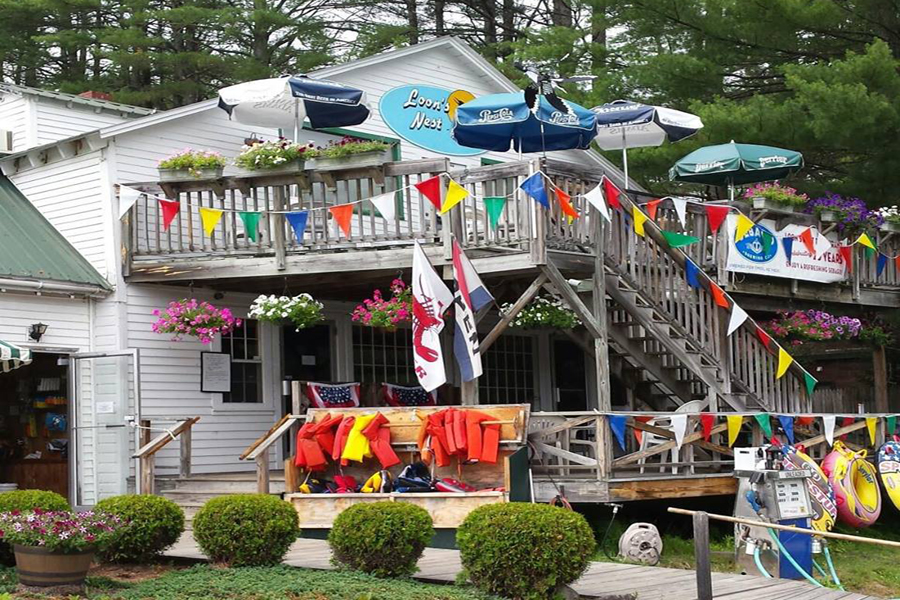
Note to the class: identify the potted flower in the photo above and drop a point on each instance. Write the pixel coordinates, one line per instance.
(301, 311)
(774, 196)
(55, 549)
(544, 312)
(198, 319)
(805, 326)
(850, 215)
(274, 157)
(351, 153)
(390, 313)
(191, 165)
(890, 218)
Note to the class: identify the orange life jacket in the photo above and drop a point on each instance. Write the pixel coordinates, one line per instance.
(380, 441)
(309, 453)
(340, 439)
(484, 440)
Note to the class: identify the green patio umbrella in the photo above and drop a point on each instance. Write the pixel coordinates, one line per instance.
(736, 164)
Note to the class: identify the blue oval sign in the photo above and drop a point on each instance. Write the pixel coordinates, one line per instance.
(418, 114)
(759, 245)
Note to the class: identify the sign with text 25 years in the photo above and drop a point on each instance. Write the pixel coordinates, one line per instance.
(420, 115)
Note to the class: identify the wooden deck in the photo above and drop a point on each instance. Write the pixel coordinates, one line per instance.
(611, 581)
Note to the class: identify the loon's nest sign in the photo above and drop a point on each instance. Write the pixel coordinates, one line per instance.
(420, 114)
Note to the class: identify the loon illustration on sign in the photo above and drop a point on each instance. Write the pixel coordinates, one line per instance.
(759, 245)
(423, 115)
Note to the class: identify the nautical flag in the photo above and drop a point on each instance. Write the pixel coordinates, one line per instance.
(470, 297)
(431, 298)
(333, 395)
(404, 396)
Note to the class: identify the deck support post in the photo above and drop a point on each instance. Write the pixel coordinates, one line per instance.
(507, 318)
(278, 234)
(262, 472)
(148, 463)
(701, 556)
(879, 364)
(184, 469)
(601, 352)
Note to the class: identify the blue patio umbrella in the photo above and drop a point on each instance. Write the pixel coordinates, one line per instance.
(500, 121)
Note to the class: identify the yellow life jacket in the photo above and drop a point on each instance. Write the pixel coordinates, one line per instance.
(357, 446)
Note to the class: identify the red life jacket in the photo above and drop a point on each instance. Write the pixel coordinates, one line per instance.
(484, 440)
(435, 429)
(340, 438)
(380, 442)
(324, 432)
(309, 453)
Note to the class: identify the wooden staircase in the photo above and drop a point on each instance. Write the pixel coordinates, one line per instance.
(191, 493)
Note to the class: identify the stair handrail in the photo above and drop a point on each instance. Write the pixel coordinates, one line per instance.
(146, 454)
(259, 449)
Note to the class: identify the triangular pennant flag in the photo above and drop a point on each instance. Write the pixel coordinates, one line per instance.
(534, 187)
(431, 189)
(493, 205)
(787, 423)
(706, 424)
(639, 219)
(764, 337)
(734, 428)
(565, 205)
(169, 209)
(611, 193)
(679, 428)
(828, 428)
(890, 425)
(343, 215)
(805, 421)
(882, 263)
(807, 239)
(617, 425)
(810, 383)
(870, 252)
(847, 256)
(784, 361)
(767, 240)
(764, 423)
(386, 205)
(652, 206)
(127, 197)
(844, 423)
(897, 263)
(872, 426)
(743, 227)
(788, 243)
(738, 316)
(865, 240)
(595, 199)
(678, 240)
(718, 295)
(453, 196)
(251, 223)
(210, 217)
(298, 223)
(638, 434)
(823, 245)
(680, 206)
(715, 215)
(691, 271)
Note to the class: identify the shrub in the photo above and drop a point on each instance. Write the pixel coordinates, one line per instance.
(384, 539)
(246, 530)
(26, 500)
(154, 524)
(524, 551)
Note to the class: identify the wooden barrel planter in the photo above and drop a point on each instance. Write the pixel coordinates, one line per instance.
(42, 568)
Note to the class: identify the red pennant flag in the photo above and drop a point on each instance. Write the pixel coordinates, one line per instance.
(638, 434)
(897, 263)
(565, 204)
(343, 214)
(169, 208)
(804, 421)
(764, 337)
(776, 442)
(806, 238)
(651, 208)
(611, 193)
(706, 422)
(844, 422)
(847, 256)
(718, 295)
(431, 189)
(715, 215)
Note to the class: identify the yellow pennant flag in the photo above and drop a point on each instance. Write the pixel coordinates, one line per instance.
(210, 218)
(744, 225)
(455, 194)
(784, 361)
(734, 428)
(865, 241)
(871, 425)
(639, 219)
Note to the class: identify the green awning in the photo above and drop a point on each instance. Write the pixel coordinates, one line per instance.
(13, 357)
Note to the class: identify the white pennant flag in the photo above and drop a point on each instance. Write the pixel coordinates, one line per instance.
(431, 297)
(386, 205)
(127, 197)
(822, 244)
(595, 197)
(738, 316)
(679, 427)
(681, 210)
(828, 426)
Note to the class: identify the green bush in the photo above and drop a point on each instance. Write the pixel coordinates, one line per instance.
(26, 500)
(384, 539)
(154, 524)
(524, 551)
(246, 530)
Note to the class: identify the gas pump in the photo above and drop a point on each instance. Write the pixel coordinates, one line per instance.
(769, 494)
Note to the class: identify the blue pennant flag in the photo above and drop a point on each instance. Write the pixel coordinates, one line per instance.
(534, 187)
(691, 270)
(788, 243)
(787, 423)
(298, 222)
(617, 424)
(882, 263)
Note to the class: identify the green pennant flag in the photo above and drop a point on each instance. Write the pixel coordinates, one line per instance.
(677, 240)
(891, 424)
(870, 252)
(494, 207)
(763, 420)
(810, 382)
(767, 241)
(251, 223)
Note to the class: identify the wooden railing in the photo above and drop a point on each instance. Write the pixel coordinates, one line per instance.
(146, 454)
(258, 451)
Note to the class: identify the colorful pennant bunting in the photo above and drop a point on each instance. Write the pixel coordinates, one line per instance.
(810, 383)
(210, 217)
(787, 424)
(652, 206)
(431, 189)
(890, 425)
(493, 205)
(738, 316)
(743, 227)
(764, 337)
(454, 195)
(343, 215)
(784, 361)
(639, 219)
(788, 243)
(534, 187)
(865, 241)
(844, 423)
(706, 424)
(767, 241)
(872, 426)
(734, 428)
(678, 240)
(386, 206)
(638, 434)
(882, 263)
(595, 199)
(169, 209)
(719, 296)
(847, 256)
(679, 428)
(617, 425)
(298, 223)
(828, 422)
(807, 239)
(764, 423)
(565, 204)
(897, 263)
(691, 271)
(251, 223)
(715, 215)
(127, 197)
(680, 206)
(611, 193)
(805, 421)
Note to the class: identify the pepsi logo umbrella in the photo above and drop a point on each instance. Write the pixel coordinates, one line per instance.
(500, 121)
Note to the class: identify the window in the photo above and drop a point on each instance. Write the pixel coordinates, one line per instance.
(383, 356)
(508, 371)
(246, 364)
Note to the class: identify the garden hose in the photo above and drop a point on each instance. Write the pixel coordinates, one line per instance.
(834, 575)
(759, 564)
(821, 571)
(791, 560)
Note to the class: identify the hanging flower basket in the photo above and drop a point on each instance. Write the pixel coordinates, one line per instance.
(197, 319)
(544, 312)
(891, 216)
(191, 165)
(278, 157)
(775, 197)
(301, 311)
(352, 153)
(386, 313)
(851, 215)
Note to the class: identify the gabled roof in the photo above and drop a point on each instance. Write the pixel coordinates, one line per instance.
(32, 249)
(73, 99)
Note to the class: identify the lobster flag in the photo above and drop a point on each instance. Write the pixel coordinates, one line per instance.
(430, 299)
(470, 297)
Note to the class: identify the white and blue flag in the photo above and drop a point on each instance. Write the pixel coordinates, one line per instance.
(469, 298)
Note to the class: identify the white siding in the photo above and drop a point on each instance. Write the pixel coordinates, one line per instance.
(14, 117)
(56, 121)
(68, 320)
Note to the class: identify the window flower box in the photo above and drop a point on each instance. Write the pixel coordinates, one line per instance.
(182, 175)
(276, 157)
(772, 206)
(373, 158)
(775, 197)
(288, 168)
(191, 165)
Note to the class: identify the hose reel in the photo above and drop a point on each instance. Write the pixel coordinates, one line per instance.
(641, 543)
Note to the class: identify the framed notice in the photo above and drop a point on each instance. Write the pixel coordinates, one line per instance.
(215, 372)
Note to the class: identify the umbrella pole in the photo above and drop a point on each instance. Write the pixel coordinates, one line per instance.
(625, 159)
(296, 120)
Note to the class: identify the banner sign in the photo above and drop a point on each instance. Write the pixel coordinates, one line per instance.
(420, 115)
(761, 252)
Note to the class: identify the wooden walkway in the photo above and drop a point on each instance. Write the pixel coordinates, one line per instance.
(611, 581)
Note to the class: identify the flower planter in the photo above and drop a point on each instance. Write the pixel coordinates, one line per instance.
(375, 158)
(42, 568)
(889, 226)
(766, 204)
(181, 175)
(825, 348)
(289, 168)
(828, 216)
